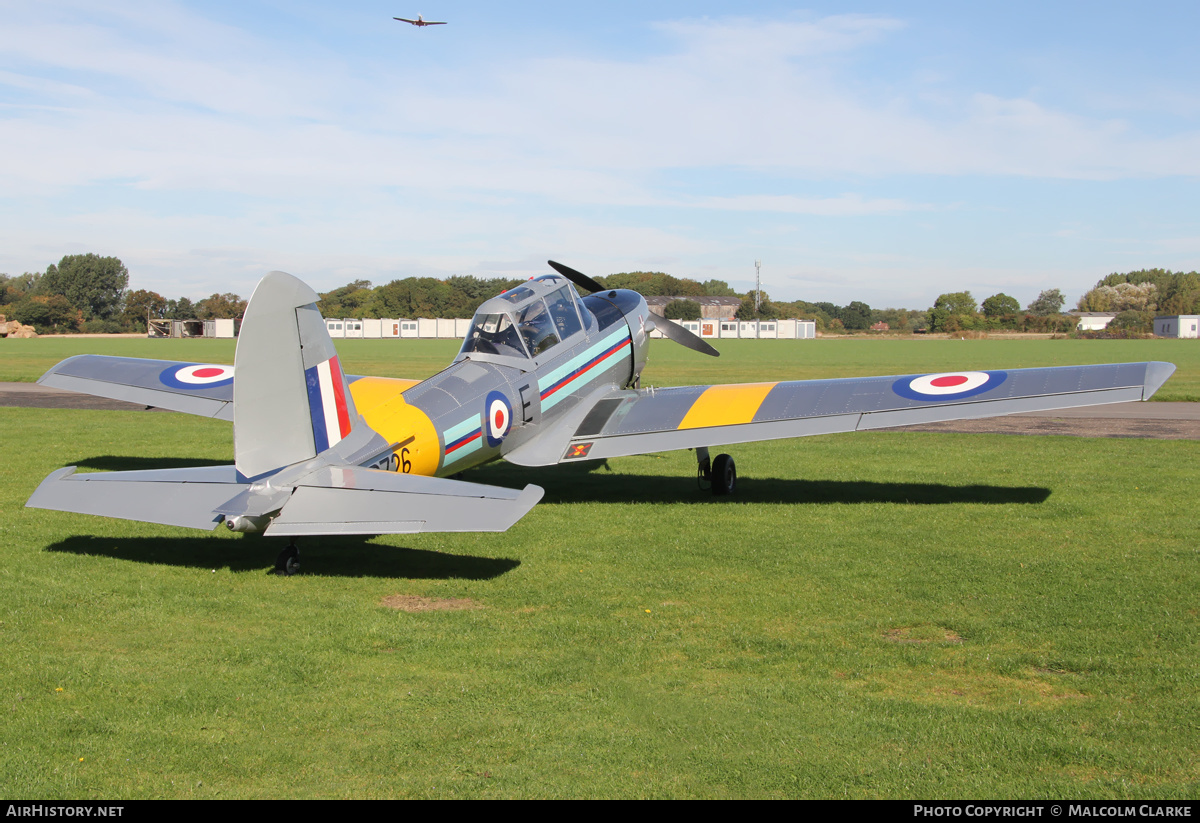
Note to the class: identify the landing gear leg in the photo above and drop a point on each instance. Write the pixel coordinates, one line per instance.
(703, 467)
(288, 562)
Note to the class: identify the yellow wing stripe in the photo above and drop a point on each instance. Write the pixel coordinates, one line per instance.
(726, 405)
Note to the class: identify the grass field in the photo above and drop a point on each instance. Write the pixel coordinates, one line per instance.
(874, 615)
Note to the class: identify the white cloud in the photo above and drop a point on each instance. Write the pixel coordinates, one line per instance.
(154, 128)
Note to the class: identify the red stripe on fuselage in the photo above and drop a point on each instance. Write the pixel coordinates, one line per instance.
(586, 367)
(470, 438)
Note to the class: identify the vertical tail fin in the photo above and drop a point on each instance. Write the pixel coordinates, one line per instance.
(290, 398)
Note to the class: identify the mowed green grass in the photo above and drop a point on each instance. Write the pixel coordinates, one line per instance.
(873, 615)
(673, 365)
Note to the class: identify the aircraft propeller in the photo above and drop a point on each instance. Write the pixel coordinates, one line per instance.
(577, 277)
(668, 329)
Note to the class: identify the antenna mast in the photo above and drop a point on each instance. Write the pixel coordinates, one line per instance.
(757, 285)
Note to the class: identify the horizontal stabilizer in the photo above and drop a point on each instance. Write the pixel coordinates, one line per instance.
(345, 500)
(193, 388)
(172, 497)
(329, 500)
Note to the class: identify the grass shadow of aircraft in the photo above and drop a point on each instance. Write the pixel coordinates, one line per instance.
(343, 556)
(121, 463)
(572, 484)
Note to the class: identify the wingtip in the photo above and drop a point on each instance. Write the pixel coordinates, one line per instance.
(531, 495)
(1157, 373)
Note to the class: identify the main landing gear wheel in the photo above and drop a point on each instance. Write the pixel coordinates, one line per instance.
(288, 562)
(719, 473)
(724, 475)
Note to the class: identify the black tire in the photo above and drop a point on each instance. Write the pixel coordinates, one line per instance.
(288, 562)
(724, 475)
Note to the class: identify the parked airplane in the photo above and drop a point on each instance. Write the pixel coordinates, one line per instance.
(543, 377)
(420, 21)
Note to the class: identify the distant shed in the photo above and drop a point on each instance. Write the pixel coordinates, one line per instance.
(1092, 320)
(1177, 325)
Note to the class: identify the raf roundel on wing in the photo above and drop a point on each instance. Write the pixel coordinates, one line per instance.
(948, 385)
(202, 375)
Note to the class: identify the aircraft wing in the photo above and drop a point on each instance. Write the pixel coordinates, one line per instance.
(194, 388)
(613, 422)
(202, 389)
(328, 500)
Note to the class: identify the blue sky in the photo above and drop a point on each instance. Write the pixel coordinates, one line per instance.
(887, 152)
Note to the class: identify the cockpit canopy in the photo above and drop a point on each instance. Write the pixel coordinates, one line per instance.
(528, 320)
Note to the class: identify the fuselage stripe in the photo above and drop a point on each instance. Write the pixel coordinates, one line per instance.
(604, 355)
(462, 439)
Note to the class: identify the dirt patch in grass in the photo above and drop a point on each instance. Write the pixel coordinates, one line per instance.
(413, 603)
(922, 634)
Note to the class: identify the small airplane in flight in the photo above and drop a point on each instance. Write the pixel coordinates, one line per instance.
(420, 21)
(543, 377)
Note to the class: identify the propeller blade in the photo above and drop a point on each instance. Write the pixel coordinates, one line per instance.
(684, 337)
(577, 277)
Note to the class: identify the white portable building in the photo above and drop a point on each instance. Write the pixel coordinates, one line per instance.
(1177, 325)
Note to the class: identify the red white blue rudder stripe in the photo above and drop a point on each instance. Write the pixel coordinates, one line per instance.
(327, 403)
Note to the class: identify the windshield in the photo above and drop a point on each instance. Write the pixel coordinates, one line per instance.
(562, 309)
(494, 334)
(537, 328)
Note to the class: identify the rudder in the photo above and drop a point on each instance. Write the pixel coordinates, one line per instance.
(290, 397)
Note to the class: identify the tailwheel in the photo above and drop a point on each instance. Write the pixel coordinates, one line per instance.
(724, 475)
(288, 562)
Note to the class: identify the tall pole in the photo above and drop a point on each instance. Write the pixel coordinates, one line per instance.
(757, 285)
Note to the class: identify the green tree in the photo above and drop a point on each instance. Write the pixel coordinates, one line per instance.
(1121, 297)
(682, 310)
(13, 289)
(226, 305)
(766, 309)
(94, 284)
(718, 288)
(953, 312)
(141, 304)
(1048, 302)
(352, 300)
(1134, 321)
(654, 284)
(51, 314)
(181, 309)
(856, 316)
(1000, 305)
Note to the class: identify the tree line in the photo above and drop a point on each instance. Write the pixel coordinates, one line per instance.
(460, 296)
(89, 293)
